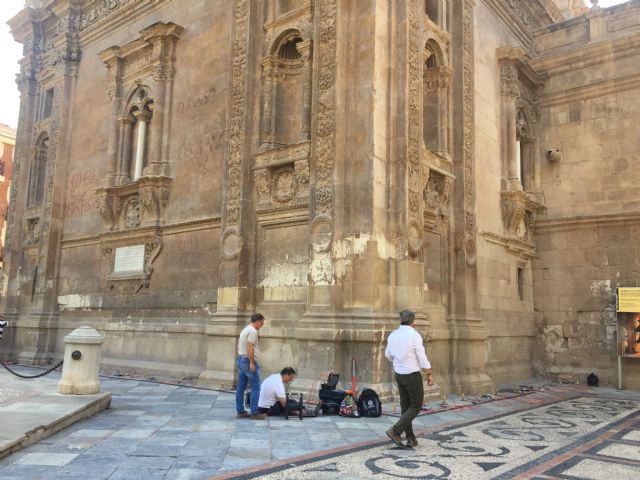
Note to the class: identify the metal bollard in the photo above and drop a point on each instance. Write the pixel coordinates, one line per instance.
(81, 362)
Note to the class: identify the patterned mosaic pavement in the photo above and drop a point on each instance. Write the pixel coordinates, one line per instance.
(581, 438)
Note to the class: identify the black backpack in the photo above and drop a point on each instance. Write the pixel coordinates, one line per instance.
(369, 404)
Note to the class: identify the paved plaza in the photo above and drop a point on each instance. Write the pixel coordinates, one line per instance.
(164, 431)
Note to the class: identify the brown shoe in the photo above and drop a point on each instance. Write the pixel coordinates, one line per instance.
(258, 416)
(244, 415)
(412, 442)
(395, 437)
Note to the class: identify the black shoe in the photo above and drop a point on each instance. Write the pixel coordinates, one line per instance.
(395, 438)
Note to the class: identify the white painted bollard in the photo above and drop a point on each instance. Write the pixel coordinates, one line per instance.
(81, 362)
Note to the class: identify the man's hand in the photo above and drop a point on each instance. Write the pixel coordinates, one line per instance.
(252, 367)
(429, 378)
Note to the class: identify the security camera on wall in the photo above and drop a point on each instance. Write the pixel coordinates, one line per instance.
(553, 155)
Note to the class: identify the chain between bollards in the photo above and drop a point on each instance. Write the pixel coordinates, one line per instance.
(31, 376)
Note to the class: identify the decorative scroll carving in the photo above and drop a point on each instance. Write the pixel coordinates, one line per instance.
(468, 121)
(236, 118)
(326, 112)
(414, 66)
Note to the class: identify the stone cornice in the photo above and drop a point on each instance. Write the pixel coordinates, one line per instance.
(587, 221)
(100, 17)
(583, 92)
(173, 229)
(588, 55)
(522, 17)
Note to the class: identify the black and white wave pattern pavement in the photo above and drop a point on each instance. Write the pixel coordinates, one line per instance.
(505, 447)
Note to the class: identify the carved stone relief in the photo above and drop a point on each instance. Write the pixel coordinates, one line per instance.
(142, 203)
(283, 185)
(132, 212)
(437, 191)
(281, 176)
(130, 283)
(31, 231)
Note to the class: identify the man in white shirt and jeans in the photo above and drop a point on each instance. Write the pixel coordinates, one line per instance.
(273, 396)
(406, 351)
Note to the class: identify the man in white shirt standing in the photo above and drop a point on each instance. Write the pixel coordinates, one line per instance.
(249, 369)
(273, 396)
(406, 351)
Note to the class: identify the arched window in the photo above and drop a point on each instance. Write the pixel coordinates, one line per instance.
(134, 145)
(435, 97)
(286, 91)
(524, 142)
(38, 171)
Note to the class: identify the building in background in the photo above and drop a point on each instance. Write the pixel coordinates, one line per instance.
(7, 144)
(328, 163)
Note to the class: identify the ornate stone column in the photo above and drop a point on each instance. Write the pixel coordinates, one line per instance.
(509, 95)
(268, 121)
(142, 118)
(126, 129)
(115, 134)
(304, 48)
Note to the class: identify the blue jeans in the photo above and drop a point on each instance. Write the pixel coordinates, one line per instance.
(245, 376)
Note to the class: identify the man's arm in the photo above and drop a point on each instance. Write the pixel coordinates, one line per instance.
(252, 363)
(281, 395)
(387, 351)
(424, 362)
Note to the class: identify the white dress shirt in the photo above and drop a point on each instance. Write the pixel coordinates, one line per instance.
(271, 390)
(406, 351)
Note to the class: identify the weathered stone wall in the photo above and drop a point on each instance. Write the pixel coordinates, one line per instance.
(586, 247)
(509, 319)
(327, 163)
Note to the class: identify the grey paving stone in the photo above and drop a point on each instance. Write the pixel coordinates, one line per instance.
(46, 458)
(154, 450)
(138, 474)
(145, 462)
(190, 474)
(24, 472)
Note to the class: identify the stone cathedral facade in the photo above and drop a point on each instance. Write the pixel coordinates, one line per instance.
(328, 163)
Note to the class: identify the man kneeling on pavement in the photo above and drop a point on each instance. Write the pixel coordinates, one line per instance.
(273, 397)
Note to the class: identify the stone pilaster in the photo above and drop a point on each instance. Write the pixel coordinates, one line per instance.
(467, 331)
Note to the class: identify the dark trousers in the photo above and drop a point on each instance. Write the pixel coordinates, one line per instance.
(411, 391)
(277, 409)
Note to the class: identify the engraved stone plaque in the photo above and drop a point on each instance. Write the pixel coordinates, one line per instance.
(129, 259)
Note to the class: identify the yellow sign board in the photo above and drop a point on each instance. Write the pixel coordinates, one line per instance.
(628, 299)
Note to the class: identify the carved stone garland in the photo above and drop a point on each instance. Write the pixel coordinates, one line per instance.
(326, 117)
(414, 104)
(469, 126)
(236, 119)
